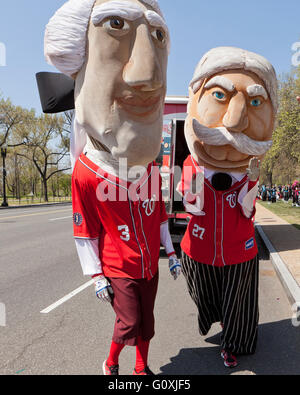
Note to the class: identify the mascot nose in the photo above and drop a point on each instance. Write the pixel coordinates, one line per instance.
(236, 117)
(143, 69)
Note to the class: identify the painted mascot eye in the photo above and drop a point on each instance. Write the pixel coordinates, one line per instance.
(256, 102)
(116, 23)
(159, 35)
(219, 95)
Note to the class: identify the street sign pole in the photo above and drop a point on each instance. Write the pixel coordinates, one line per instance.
(3, 154)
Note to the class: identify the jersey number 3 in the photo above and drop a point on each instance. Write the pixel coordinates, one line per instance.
(125, 235)
(198, 232)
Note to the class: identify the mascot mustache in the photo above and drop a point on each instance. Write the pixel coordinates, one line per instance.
(221, 136)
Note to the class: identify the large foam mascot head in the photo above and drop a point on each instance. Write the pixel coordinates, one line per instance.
(117, 52)
(232, 109)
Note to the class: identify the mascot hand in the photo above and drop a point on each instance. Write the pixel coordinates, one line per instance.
(253, 170)
(103, 289)
(175, 266)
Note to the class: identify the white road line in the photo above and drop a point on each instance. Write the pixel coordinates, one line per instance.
(67, 297)
(57, 219)
(34, 210)
(34, 214)
(20, 212)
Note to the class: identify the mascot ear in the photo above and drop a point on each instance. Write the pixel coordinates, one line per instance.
(56, 92)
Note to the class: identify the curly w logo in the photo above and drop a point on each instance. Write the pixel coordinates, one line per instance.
(231, 199)
(149, 205)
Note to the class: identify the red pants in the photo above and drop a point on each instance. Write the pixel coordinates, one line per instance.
(133, 303)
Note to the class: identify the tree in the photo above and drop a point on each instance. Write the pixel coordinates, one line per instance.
(65, 184)
(282, 161)
(13, 121)
(47, 147)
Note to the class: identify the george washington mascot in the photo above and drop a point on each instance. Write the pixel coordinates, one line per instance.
(231, 116)
(117, 52)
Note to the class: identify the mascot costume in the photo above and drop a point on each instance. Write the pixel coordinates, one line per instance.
(231, 117)
(117, 53)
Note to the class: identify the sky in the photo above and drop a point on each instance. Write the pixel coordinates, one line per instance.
(268, 27)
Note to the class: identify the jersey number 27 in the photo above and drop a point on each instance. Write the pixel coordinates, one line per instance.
(198, 232)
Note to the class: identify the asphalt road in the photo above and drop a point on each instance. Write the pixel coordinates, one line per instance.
(39, 266)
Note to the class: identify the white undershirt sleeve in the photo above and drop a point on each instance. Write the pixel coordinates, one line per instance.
(88, 253)
(246, 199)
(165, 238)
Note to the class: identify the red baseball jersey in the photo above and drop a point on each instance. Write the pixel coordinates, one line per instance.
(224, 235)
(126, 217)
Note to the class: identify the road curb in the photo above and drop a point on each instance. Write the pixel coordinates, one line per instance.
(36, 205)
(288, 282)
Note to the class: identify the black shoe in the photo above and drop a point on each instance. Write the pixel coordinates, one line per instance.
(229, 359)
(112, 370)
(144, 372)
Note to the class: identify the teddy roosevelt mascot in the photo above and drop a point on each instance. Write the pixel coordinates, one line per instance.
(117, 52)
(231, 116)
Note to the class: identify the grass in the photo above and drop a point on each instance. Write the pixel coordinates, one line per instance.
(28, 200)
(284, 211)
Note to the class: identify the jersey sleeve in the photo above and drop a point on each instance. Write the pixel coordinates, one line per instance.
(86, 219)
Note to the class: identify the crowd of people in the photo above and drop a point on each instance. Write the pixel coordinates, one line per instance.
(285, 193)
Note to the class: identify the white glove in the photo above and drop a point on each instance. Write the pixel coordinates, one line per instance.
(174, 266)
(103, 289)
(253, 170)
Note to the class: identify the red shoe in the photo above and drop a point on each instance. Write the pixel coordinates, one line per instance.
(229, 359)
(144, 372)
(112, 370)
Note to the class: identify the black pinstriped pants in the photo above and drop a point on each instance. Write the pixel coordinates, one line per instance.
(229, 295)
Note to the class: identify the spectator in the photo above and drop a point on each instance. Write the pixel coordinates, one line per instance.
(296, 196)
(269, 193)
(290, 191)
(263, 193)
(286, 194)
(280, 192)
(273, 193)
